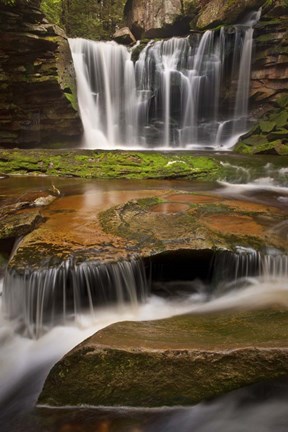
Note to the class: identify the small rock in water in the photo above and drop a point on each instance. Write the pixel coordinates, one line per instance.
(44, 201)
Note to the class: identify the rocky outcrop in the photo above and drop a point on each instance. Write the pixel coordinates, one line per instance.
(269, 78)
(156, 18)
(98, 20)
(124, 36)
(18, 214)
(269, 85)
(135, 228)
(216, 12)
(177, 361)
(38, 95)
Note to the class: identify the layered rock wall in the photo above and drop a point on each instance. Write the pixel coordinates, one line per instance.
(38, 103)
(269, 84)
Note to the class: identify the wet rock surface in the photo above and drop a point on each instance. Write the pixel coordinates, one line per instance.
(177, 361)
(20, 212)
(145, 223)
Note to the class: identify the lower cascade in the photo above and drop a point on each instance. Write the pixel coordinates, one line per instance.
(41, 299)
(186, 93)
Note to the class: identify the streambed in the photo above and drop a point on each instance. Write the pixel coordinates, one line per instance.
(25, 362)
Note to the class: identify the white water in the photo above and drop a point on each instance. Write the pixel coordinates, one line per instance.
(25, 362)
(43, 298)
(172, 96)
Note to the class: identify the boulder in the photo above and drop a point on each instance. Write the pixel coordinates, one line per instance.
(153, 18)
(19, 224)
(18, 215)
(176, 361)
(124, 36)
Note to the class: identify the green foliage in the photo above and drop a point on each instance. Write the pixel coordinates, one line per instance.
(97, 20)
(13, 2)
(52, 10)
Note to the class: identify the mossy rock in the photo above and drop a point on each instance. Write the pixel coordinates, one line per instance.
(109, 164)
(282, 101)
(177, 361)
(266, 126)
(19, 224)
(276, 147)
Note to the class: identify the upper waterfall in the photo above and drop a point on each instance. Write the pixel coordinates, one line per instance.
(184, 93)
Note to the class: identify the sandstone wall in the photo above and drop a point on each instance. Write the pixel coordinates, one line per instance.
(38, 99)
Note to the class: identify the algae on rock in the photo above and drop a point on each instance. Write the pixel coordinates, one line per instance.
(176, 361)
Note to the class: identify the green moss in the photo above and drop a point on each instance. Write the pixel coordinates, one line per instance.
(113, 164)
(266, 126)
(282, 100)
(165, 362)
(270, 134)
(72, 98)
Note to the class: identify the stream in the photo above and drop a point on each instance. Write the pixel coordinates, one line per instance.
(25, 362)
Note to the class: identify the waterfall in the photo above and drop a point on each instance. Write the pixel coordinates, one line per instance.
(184, 93)
(233, 270)
(41, 299)
(38, 300)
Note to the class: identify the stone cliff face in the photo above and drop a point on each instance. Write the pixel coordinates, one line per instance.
(158, 18)
(269, 84)
(37, 100)
(155, 18)
(270, 69)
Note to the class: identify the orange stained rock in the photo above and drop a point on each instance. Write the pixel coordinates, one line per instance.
(192, 198)
(72, 221)
(234, 224)
(169, 207)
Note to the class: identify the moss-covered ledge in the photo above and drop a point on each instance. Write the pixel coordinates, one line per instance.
(108, 164)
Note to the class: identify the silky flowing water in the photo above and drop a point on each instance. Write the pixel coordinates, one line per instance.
(184, 93)
(25, 362)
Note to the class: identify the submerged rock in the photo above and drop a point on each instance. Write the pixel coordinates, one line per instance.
(176, 361)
